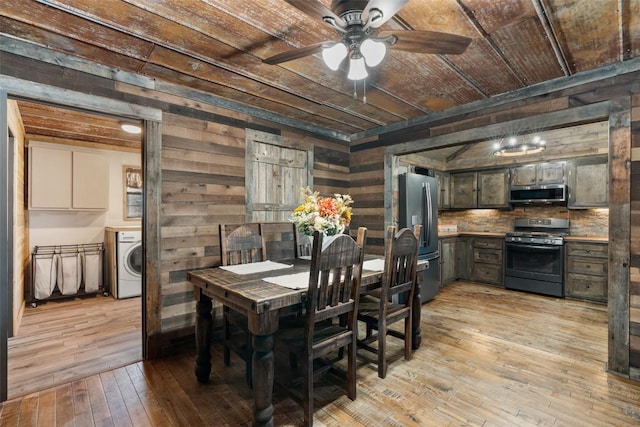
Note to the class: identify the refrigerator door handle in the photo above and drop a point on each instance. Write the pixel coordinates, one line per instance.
(428, 212)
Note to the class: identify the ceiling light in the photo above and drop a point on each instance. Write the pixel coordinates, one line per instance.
(334, 55)
(519, 146)
(373, 52)
(357, 68)
(130, 128)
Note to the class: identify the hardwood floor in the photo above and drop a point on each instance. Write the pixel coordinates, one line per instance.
(64, 340)
(489, 357)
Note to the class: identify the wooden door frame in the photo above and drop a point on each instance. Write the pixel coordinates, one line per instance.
(151, 163)
(6, 216)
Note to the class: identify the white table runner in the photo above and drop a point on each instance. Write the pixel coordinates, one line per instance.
(255, 267)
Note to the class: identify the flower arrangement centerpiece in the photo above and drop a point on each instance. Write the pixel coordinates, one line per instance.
(328, 215)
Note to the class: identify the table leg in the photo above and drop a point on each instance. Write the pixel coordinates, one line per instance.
(416, 339)
(263, 373)
(204, 331)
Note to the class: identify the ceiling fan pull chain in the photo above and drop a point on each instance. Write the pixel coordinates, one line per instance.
(364, 91)
(355, 93)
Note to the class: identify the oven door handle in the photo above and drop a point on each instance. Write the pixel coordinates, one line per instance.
(544, 248)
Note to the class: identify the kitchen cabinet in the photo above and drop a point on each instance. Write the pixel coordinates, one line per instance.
(443, 189)
(587, 271)
(447, 260)
(464, 188)
(588, 183)
(480, 189)
(65, 179)
(539, 174)
(462, 257)
(487, 260)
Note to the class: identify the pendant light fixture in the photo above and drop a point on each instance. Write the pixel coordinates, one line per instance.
(519, 146)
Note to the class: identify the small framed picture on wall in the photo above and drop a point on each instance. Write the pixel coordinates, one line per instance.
(132, 192)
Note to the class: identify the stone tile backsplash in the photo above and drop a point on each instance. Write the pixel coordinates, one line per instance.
(583, 222)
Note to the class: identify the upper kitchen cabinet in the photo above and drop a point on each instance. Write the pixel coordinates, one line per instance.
(61, 178)
(464, 190)
(481, 189)
(539, 174)
(444, 197)
(588, 182)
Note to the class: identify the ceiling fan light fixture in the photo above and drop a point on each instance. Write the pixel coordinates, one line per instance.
(373, 51)
(374, 17)
(357, 68)
(334, 55)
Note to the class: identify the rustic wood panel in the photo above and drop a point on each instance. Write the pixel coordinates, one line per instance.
(634, 281)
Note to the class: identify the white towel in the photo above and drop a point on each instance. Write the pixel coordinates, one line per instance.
(92, 272)
(45, 276)
(69, 274)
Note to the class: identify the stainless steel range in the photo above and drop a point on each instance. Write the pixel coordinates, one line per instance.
(534, 256)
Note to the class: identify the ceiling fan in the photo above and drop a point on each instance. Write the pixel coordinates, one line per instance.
(357, 22)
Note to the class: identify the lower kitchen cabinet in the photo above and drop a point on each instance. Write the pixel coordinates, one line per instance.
(487, 260)
(587, 271)
(463, 264)
(448, 272)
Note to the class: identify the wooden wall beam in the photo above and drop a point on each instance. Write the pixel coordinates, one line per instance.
(619, 232)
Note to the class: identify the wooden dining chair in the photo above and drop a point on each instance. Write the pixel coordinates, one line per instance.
(303, 243)
(240, 244)
(393, 301)
(334, 285)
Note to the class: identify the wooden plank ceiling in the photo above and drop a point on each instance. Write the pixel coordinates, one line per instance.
(217, 46)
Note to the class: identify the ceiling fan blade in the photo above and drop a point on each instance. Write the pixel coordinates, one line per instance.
(317, 10)
(427, 41)
(387, 7)
(296, 53)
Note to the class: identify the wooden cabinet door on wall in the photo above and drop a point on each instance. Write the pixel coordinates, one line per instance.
(589, 183)
(49, 178)
(464, 187)
(493, 188)
(66, 179)
(90, 181)
(523, 175)
(274, 175)
(443, 190)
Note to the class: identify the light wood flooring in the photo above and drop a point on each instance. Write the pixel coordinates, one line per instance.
(63, 340)
(489, 357)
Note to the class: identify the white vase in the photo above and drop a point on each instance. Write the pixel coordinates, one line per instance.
(327, 240)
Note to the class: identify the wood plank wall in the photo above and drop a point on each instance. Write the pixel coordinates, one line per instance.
(634, 287)
(367, 162)
(203, 184)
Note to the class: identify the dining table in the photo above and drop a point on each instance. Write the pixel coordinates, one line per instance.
(264, 292)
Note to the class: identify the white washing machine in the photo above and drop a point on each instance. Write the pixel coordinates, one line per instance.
(129, 256)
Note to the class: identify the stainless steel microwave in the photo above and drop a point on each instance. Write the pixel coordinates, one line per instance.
(538, 194)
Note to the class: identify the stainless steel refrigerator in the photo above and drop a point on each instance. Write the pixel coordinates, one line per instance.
(418, 204)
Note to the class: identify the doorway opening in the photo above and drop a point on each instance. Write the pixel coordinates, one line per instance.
(54, 340)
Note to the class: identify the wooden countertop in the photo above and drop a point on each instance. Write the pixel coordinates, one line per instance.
(595, 239)
(470, 233)
(124, 228)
